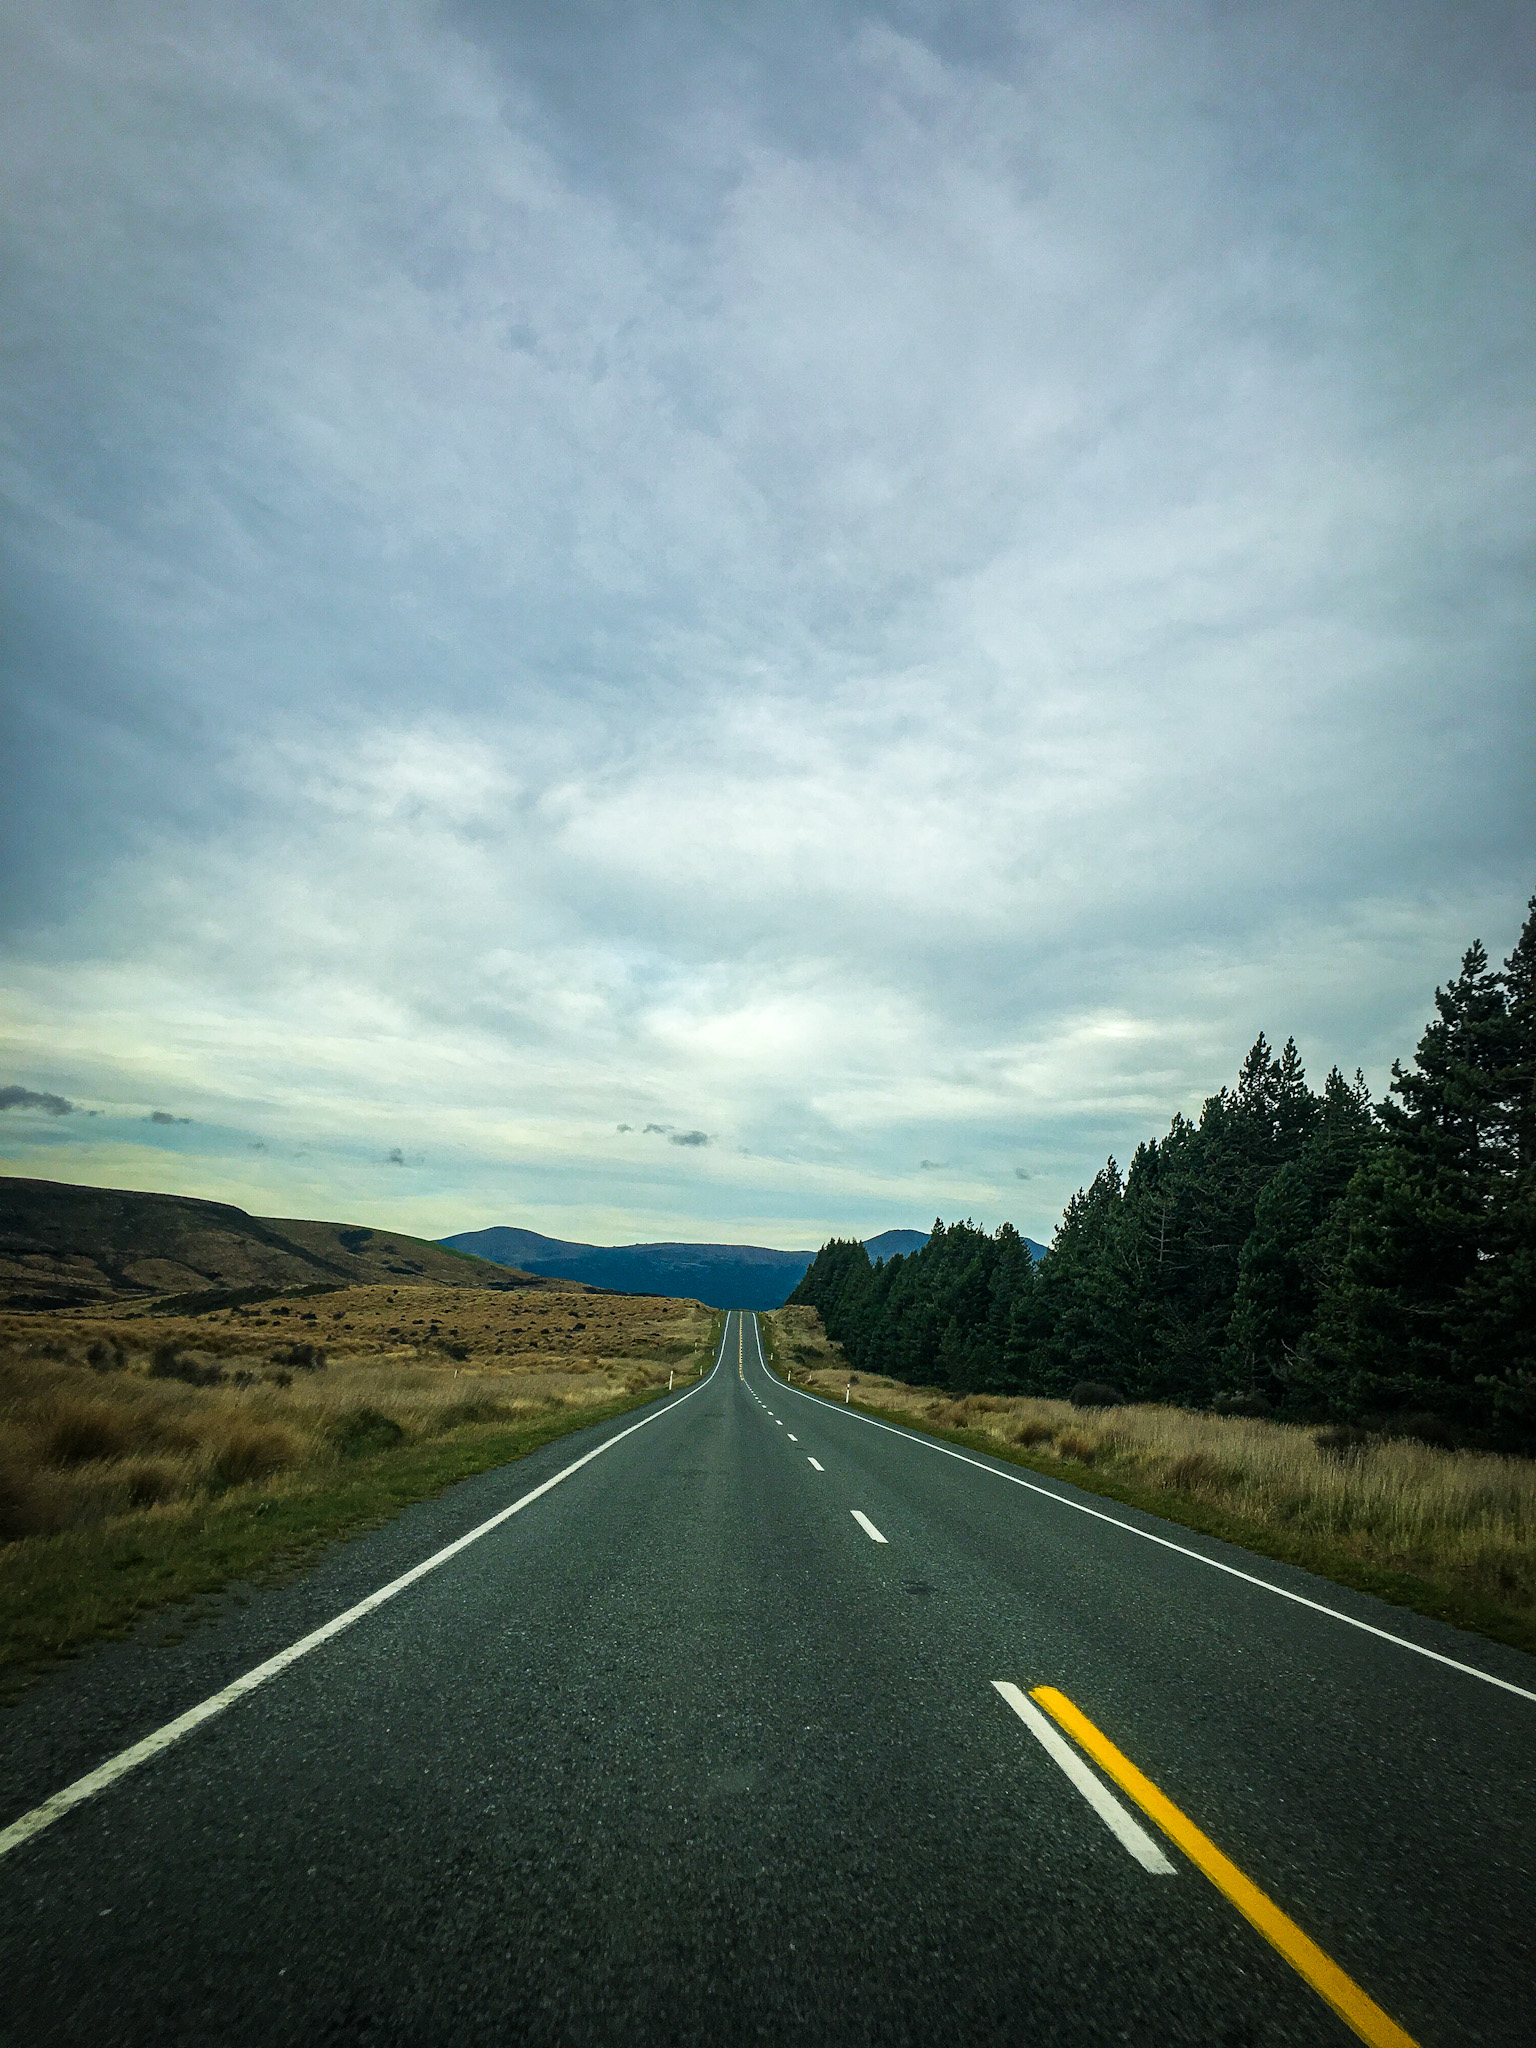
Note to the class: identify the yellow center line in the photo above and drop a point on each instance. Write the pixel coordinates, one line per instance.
(1304, 1956)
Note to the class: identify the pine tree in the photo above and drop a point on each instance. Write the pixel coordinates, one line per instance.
(1499, 1301)
(1428, 1268)
(1279, 1268)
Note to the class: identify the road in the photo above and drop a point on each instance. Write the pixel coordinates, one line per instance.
(705, 1743)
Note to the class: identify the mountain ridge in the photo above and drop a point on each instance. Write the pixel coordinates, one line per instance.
(745, 1276)
(722, 1276)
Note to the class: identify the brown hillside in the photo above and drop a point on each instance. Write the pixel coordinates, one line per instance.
(69, 1247)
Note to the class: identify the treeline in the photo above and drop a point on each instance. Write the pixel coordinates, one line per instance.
(1309, 1255)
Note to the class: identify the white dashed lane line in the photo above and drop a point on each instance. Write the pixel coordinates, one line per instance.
(819, 1468)
(866, 1525)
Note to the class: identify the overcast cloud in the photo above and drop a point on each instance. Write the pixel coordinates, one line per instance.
(873, 590)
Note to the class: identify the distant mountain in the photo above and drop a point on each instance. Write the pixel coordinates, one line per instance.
(721, 1275)
(68, 1247)
(890, 1242)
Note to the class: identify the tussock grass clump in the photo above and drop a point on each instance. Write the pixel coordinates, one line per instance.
(77, 1430)
(1364, 1507)
(363, 1429)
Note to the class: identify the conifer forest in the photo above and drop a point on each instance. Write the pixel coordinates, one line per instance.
(1306, 1254)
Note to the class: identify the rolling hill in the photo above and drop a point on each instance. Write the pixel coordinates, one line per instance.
(72, 1247)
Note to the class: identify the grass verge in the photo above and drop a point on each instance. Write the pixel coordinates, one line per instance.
(146, 1466)
(61, 1592)
(1269, 1488)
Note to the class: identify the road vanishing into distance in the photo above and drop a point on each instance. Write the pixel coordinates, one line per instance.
(765, 1723)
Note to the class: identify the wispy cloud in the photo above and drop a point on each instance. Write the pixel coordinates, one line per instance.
(36, 1099)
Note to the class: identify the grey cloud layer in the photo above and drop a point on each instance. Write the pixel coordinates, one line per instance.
(890, 582)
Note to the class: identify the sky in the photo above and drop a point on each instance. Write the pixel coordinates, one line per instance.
(741, 622)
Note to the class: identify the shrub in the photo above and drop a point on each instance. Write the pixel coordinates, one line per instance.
(106, 1354)
(1252, 1403)
(301, 1356)
(1423, 1429)
(1072, 1443)
(1344, 1440)
(1096, 1394)
(360, 1431)
(167, 1363)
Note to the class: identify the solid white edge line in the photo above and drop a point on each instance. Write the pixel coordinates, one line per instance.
(59, 1803)
(1129, 1833)
(1182, 1549)
(866, 1525)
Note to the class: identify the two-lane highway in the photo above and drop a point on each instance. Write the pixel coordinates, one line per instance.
(757, 1725)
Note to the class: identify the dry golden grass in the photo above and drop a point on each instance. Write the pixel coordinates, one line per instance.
(1460, 1519)
(111, 1416)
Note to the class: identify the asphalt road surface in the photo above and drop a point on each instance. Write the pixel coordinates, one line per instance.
(706, 1743)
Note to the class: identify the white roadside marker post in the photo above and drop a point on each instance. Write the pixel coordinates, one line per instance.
(669, 1380)
(848, 1393)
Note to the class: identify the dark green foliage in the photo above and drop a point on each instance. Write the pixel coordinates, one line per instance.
(1429, 1280)
(943, 1315)
(1291, 1253)
(1280, 1265)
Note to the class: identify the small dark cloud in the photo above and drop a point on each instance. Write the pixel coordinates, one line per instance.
(657, 1130)
(1022, 1173)
(688, 1138)
(624, 1127)
(163, 1116)
(257, 1145)
(29, 1098)
(394, 1157)
(930, 1166)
